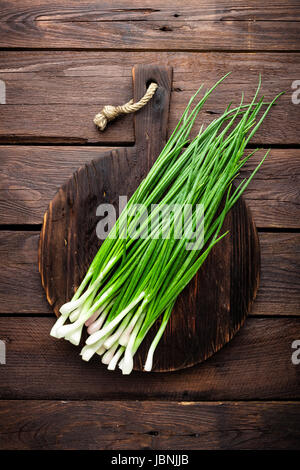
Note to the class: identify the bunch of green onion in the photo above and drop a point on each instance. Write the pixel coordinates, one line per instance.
(134, 281)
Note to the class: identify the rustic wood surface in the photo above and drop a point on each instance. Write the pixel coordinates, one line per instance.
(156, 425)
(255, 365)
(61, 62)
(278, 293)
(51, 96)
(150, 25)
(31, 175)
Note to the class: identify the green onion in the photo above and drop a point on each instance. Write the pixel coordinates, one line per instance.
(145, 262)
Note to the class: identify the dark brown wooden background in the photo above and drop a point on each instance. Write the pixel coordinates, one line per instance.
(61, 62)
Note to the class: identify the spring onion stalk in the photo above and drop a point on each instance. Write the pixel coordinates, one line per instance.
(101, 351)
(96, 325)
(109, 354)
(117, 334)
(96, 315)
(128, 356)
(113, 363)
(145, 262)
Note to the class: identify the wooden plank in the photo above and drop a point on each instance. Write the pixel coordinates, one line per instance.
(155, 25)
(280, 275)
(45, 425)
(59, 124)
(256, 364)
(53, 97)
(31, 175)
(273, 194)
(19, 251)
(155, 35)
(144, 10)
(84, 63)
(279, 292)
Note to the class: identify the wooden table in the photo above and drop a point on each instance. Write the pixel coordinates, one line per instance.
(61, 61)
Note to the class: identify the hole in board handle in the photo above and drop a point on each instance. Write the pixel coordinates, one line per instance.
(151, 80)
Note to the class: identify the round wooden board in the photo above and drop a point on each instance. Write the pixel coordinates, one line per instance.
(214, 305)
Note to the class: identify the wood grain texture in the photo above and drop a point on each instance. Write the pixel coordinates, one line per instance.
(280, 260)
(155, 35)
(128, 425)
(52, 97)
(31, 175)
(144, 10)
(256, 364)
(150, 25)
(274, 193)
(201, 323)
(281, 265)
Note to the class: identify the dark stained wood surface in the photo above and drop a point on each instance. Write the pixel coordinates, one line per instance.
(278, 293)
(31, 175)
(172, 35)
(144, 10)
(52, 95)
(214, 306)
(255, 365)
(150, 25)
(148, 425)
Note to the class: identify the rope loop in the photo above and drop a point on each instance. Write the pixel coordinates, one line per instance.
(109, 113)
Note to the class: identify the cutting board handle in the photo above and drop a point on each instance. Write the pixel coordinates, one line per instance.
(151, 122)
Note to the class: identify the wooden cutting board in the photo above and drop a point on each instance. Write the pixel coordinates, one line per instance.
(215, 304)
